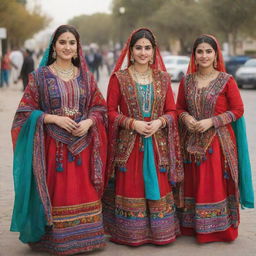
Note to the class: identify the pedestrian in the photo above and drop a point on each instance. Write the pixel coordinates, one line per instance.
(5, 69)
(208, 103)
(16, 59)
(144, 155)
(59, 138)
(27, 67)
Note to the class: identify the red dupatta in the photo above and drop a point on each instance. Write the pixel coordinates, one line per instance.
(192, 68)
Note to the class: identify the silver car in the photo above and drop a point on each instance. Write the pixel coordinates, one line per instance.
(176, 66)
(246, 74)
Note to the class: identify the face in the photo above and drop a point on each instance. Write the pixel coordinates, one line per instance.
(142, 51)
(205, 55)
(66, 46)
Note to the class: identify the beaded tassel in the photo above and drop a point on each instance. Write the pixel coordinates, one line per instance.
(59, 157)
(79, 160)
(71, 158)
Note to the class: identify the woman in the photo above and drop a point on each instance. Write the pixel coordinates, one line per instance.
(208, 102)
(60, 143)
(143, 151)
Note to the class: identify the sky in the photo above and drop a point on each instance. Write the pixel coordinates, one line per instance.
(63, 10)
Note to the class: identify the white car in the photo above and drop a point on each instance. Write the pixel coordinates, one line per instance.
(176, 66)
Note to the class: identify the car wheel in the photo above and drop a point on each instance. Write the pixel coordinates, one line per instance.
(180, 76)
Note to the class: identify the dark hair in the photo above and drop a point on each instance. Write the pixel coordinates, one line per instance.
(205, 39)
(60, 30)
(142, 33)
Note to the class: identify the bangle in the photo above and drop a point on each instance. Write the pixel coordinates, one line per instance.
(162, 119)
(183, 116)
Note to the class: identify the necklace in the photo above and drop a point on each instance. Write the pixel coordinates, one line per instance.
(207, 76)
(142, 77)
(65, 74)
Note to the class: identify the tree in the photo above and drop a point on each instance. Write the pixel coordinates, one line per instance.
(94, 28)
(183, 20)
(20, 24)
(232, 18)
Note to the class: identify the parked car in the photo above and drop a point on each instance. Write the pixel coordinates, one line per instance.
(234, 62)
(176, 66)
(246, 74)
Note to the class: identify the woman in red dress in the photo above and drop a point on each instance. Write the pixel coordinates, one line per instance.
(208, 102)
(144, 155)
(59, 135)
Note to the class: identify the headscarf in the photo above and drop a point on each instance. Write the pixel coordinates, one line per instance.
(125, 55)
(192, 67)
(244, 165)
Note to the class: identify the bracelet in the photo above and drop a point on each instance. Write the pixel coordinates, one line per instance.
(162, 119)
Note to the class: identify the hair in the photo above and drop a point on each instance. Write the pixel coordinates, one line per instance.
(205, 39)
(60, 30)
(143, 33)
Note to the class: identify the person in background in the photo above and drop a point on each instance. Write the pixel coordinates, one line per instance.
(27, 67)
(214, 146)
(5, 69)
(16, 59)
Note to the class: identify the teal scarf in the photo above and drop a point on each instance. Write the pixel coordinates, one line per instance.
(28, 214)
(245, 174)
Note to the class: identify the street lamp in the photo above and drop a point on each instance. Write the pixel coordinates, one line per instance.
(121, 13)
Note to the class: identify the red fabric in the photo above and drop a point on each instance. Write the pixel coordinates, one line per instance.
(125, 55)
(73, 186)
(220, 61)
(131, 183)
(206, 182)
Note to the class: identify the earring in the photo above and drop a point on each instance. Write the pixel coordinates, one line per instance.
(74, 57)
(132, 59)
(54, 55)
(215, 64)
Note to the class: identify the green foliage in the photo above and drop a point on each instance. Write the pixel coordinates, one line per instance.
(94, 28)
(20, 24)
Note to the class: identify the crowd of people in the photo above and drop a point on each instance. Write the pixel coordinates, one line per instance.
(138, 166)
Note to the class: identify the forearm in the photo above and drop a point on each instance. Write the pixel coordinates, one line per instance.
(50, 119)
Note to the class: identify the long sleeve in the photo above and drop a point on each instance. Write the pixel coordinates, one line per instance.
(181, 104)
(235, 105)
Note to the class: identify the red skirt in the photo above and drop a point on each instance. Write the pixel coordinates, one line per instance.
(76, 205)
(211, 211)
(132, 219)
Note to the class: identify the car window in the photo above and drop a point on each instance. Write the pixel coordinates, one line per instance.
(182, 62)
(169, 61)
(250, 63)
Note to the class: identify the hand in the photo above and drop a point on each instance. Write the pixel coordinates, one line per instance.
(142, 127)
(203, 125)
(82, 128)
(65, 122)
(154, 127)
(190, 122)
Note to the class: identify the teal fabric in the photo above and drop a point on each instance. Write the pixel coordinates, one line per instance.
(146, 97)
(245, 173)
(45, 57)
(28, 214)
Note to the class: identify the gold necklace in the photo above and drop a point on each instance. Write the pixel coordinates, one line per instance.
(65, 74)
(142, 77)
(207, 76)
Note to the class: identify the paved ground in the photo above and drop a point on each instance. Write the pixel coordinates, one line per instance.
(245, 245)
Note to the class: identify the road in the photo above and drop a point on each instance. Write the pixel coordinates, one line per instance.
(245, 245)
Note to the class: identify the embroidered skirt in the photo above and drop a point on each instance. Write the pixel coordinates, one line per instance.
(132, 219)
(76, 206)
(211, 211)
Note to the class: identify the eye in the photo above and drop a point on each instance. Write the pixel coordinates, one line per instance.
(73, 42)
(148, 47)
(209, 51)
(199, 51)
(138, 47)
(62, 42)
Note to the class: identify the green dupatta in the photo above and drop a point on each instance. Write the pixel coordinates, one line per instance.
(244, 165)
(28, 214)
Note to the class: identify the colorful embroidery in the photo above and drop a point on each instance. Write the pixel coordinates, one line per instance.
(201, 104)
(210, 217)
(137, 220)
(76, 228)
